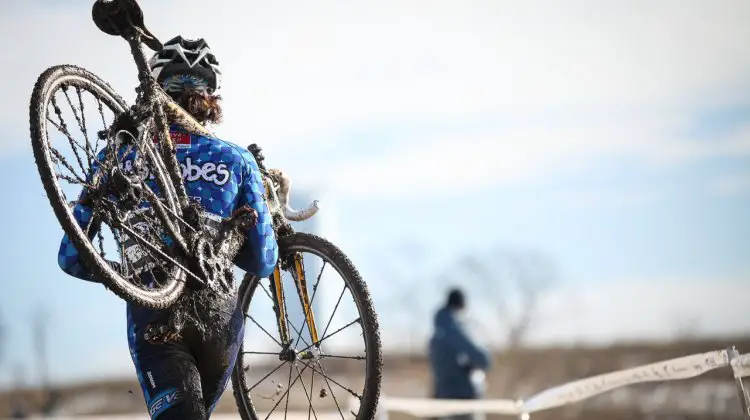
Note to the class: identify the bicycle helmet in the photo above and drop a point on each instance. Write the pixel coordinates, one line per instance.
(191, 60)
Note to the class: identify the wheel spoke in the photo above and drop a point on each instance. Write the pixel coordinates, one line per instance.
(286, 312)
(90, 154)
(262, 353)
(312, 389)
(104, 122)
(100, 237)
(334, 333)
(81, 124)
(63, 128)
(333, 394)
(288, 387)
(155, 199)
(331, 356)
(73, 180)
(160, 252)
(267, 375)
(126, 260)
(307, 394)
(120, 250)
(61, 159)
(328, 378)
(264, 330)
(335, 308)
(160, 210)
(285, 394)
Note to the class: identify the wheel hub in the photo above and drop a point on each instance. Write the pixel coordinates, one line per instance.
(288, 354)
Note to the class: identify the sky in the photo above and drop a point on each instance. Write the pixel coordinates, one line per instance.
(611, 137)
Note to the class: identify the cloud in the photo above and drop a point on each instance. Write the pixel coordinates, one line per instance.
(611, 198)
(737, 184)
(529, 152)
(650, 308)
(297, 71)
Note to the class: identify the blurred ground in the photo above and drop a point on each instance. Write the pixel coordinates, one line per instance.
(516, 374)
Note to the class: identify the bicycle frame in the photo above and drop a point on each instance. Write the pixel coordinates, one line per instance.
(151, 97)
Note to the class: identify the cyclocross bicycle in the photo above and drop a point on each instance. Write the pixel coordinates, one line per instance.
(141, 209)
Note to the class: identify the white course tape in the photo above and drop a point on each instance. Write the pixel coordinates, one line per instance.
(292, 415)
(741, 366)
(680, 368)
(437, 408)
(668, 370)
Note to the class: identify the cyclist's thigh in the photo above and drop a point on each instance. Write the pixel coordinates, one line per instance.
(168, 375)
(216, 360)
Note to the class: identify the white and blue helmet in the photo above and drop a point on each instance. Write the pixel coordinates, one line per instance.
(185, 62)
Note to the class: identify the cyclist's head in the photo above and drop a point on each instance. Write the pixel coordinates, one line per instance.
(189, 72)
(456, 300)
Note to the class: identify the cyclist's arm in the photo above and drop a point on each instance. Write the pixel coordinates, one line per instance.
(260, 252)
(68, 257)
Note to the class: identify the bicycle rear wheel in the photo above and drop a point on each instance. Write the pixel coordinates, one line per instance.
(311, 366)
(141, 275)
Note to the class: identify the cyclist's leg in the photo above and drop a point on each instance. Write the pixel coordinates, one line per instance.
(216, 360)
(167, 372)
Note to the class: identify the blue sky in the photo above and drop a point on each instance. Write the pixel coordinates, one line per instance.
(613, 138)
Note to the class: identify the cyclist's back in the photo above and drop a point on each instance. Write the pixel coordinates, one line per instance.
(184, 361)
(221, 177)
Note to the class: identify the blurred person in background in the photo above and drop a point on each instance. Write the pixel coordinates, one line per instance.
(458, 364)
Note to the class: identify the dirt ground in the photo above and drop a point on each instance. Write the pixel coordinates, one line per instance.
(514, 375)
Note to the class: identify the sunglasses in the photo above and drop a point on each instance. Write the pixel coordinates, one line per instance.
(182, 82)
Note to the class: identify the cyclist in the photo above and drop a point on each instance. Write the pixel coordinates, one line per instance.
(183, 373)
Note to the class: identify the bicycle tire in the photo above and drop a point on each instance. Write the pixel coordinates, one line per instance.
(304, 242)
(44, 87)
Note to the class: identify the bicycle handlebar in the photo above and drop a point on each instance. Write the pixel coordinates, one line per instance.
(282, 195)
(284, 185)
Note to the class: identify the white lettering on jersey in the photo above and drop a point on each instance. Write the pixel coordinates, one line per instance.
(218, 174)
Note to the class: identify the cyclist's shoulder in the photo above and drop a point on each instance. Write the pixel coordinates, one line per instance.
(248, 160)
(225, 149)
(224, 146)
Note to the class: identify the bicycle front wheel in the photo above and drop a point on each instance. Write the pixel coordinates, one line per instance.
(334, 367)
(152, 281)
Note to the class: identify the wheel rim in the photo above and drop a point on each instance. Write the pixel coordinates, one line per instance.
(318, 380)
(52, 158)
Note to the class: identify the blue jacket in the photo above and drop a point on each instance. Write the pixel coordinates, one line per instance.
(223, 177)
(453, 355)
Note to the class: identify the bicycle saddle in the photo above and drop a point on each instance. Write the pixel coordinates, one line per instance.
(122, 18)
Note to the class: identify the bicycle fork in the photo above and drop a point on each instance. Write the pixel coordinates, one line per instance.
(300, 282)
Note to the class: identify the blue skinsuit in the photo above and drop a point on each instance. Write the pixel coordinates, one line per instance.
(185, 379)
